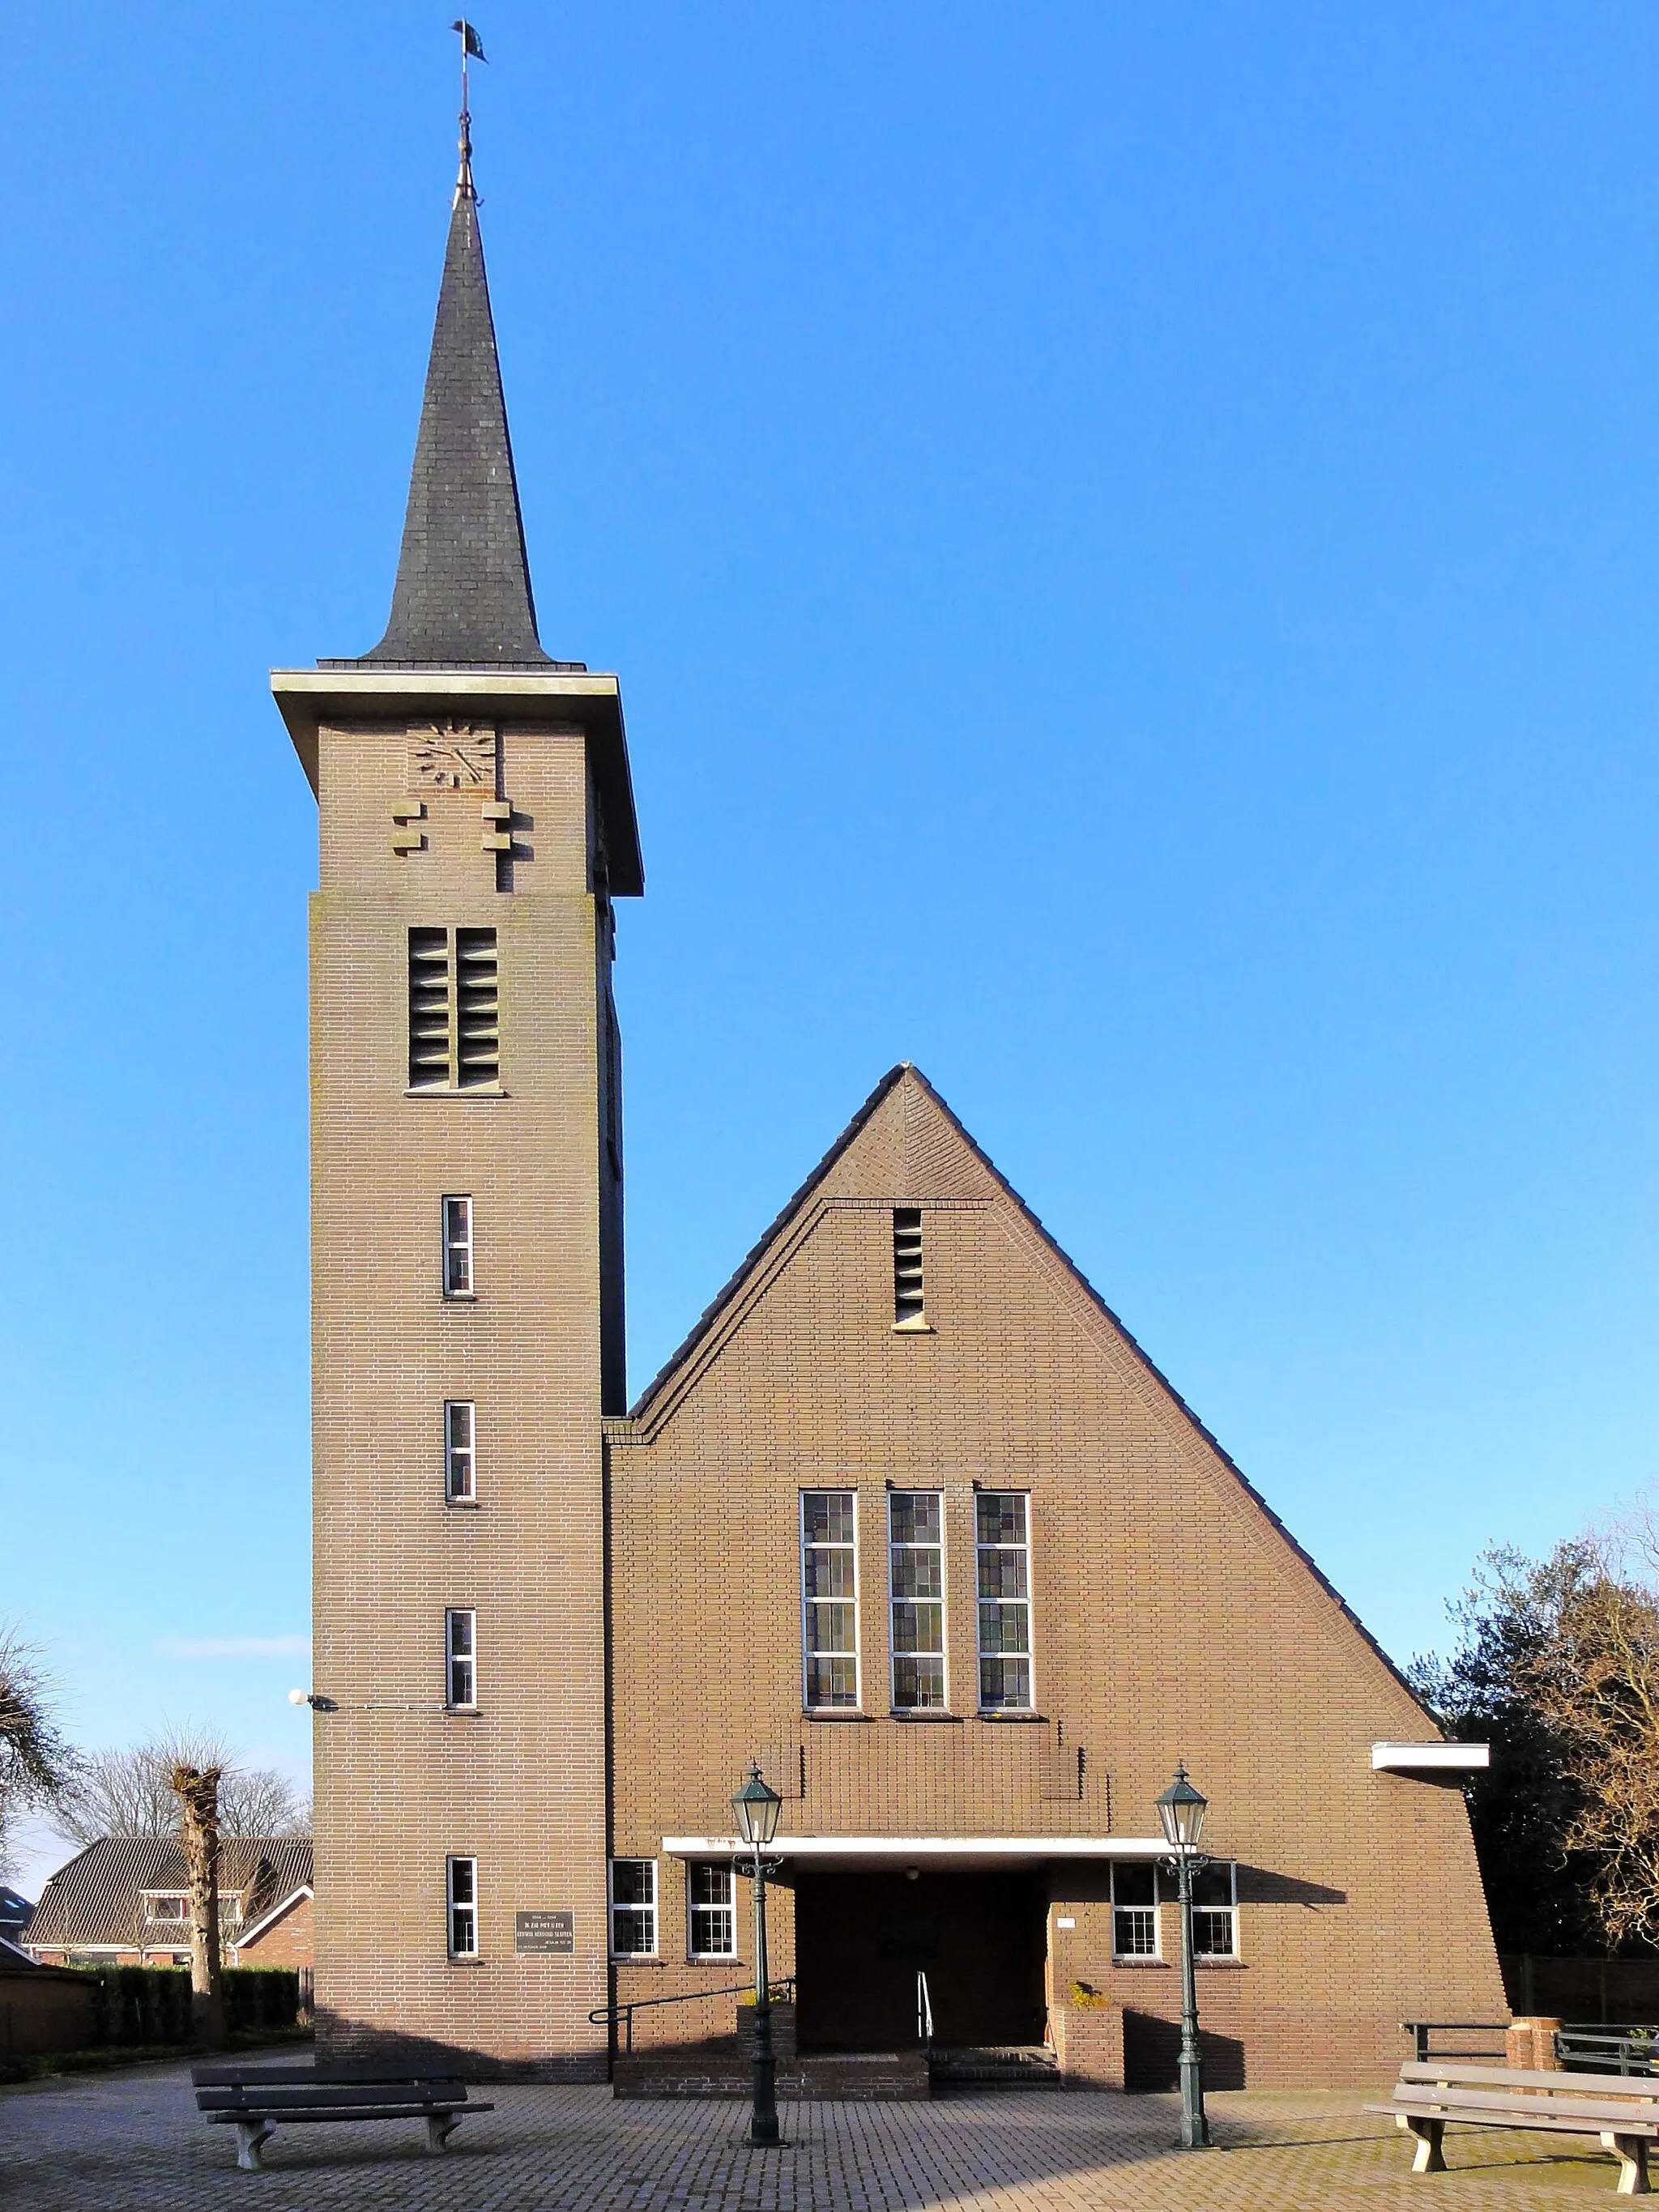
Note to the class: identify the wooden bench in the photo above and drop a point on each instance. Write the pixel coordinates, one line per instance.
(1624, 2113)
(253, 2100)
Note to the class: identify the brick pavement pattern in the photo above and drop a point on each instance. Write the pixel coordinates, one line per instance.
(134, 2142)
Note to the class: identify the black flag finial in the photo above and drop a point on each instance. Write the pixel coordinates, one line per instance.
(471, 51)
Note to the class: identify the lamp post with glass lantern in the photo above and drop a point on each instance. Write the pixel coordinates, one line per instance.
(1180, 1810)
(757, 1808)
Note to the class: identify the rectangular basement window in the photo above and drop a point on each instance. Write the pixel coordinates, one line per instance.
(633, 1908)
(711, 1917)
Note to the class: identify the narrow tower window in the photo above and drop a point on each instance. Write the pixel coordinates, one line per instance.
(463, 1908)
(830, 1596)
(458, 1248)
(460, 1639)
(907, 1268)
(454, 1010)
(1003, 1543)
(916, 1575)
(460, 1451)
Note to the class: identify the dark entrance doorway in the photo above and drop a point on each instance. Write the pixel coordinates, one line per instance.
(861, 1938)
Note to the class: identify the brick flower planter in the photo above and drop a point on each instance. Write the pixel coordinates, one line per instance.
(1089, 2045)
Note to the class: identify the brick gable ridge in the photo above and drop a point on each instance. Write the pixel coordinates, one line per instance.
(1141, 1372)
(650, 1407)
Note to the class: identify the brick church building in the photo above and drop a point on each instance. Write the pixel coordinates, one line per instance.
(909, 1516)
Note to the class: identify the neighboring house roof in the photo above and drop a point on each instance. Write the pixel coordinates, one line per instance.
(98, 1897)
(252, 1931)
(15, 1910)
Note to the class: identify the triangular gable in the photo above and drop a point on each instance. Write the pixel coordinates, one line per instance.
(905, 1146)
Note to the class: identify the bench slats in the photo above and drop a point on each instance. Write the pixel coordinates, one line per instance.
(1526, 2100)
(333, 2092)
(290, 2118)
(1577, 2115)
(257, 2077)
(1519, 2077)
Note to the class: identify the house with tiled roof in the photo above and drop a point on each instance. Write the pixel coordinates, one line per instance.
(125, 1900)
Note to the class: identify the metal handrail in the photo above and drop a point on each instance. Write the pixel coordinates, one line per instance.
(924, 2012)
(1421, 2030)
(780, 1990)
(1635, 2052)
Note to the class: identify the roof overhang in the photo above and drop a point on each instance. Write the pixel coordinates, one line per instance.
(308, 697)
(1438, 1757)
(921, 1850)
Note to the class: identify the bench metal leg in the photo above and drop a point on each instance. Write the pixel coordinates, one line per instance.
(1632, 2156)
(1429, 2158)
(440, 2126)
(250, 2134)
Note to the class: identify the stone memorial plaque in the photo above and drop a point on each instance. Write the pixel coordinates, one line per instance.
(545, 1931)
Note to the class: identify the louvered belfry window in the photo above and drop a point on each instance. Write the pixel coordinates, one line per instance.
(907, 1264)
(454, 1010)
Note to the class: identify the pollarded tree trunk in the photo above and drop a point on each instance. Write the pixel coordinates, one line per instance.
(197, 1792)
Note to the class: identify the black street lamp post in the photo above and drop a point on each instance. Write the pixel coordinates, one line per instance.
(1181, 1809)
(756, 1809)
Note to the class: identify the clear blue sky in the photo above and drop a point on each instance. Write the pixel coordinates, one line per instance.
(1131, 538)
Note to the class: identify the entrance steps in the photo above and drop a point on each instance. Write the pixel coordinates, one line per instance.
(861, 2078)
(1000, 2066)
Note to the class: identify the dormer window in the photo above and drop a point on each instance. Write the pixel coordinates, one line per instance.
(169, 1907)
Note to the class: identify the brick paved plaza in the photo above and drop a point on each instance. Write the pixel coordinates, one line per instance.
(134, 2144)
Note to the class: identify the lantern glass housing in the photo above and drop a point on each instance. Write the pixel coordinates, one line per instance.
(757, 1808)
(1181, 1809)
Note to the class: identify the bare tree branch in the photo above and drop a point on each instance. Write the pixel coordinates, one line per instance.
(130, 1793)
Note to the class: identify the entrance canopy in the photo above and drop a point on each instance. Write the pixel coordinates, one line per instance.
(923, 1850)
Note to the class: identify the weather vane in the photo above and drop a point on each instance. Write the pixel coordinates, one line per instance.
(471, 51)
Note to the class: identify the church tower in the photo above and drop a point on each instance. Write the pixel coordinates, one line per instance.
(476, 824)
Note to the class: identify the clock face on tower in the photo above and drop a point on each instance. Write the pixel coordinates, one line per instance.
(451, 756)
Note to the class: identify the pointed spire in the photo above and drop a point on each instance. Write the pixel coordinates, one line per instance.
(463, 589)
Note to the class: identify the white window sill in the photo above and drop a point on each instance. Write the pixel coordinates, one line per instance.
(1008, 1713)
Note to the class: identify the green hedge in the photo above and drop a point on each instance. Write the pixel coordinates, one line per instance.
(151, 2004)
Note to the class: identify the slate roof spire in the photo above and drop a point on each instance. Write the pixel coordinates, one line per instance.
(463, 590)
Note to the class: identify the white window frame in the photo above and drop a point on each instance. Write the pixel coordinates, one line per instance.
(461, 1459)
(461, 1649)
(1130, 1958)
(807, 1654)
(459, 1273)
(693, 1907)
(648, 1907)
(980, 1652)
(156, 1897)
(1228, 1912)
(894, 1601)
(461, 1913)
